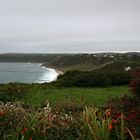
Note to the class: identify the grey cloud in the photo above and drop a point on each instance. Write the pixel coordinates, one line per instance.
(69, 25)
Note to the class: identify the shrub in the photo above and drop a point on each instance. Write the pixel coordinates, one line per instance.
(25, 124)
(99, 125)
(94, 125)
(119, 78)
(130, 106)
(135, 83)
(11, 91)
(70, 106)
(13, 114)
(93, 79)
(18, 123)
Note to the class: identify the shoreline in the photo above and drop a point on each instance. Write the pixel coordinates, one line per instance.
(53, 74)
(58, 71)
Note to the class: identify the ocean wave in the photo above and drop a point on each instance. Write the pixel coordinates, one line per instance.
(48, 76)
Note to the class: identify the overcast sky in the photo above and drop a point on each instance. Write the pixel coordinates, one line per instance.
(59, 26)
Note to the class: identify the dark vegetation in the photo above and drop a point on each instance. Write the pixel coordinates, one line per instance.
(135, 82)
(93, 79)
(12, 91)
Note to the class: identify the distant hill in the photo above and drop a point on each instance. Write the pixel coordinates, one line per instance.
(98, 61)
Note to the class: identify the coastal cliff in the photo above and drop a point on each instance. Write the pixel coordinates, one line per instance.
(84, 62)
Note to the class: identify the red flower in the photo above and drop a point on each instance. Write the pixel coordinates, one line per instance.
(114, 121)
(2, 113)
(117, 116)
(131, 116)
(110, 127)
(30, 138)
(23, 131)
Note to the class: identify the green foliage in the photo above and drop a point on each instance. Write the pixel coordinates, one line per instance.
(135, 83)
(36, 96)
(95, 125)
(119, 78)
(92, 123)
(130, 106)
(93, 79)
(12, 91)
(41, 124)
(70, 106)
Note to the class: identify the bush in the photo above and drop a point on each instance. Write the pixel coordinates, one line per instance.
(119, 78)
(18, 123)
(93, 79)
(135, 83)
(130, 106)
(99, 125)
(70, 106)
(25, 124)
(11, 91)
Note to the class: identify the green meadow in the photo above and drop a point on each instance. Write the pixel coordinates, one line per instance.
(38, 95)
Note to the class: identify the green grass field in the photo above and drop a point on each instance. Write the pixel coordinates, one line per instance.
(36, 96)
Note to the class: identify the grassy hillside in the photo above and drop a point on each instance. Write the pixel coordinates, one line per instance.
(106, 61)
(103, 61)
(36, 96)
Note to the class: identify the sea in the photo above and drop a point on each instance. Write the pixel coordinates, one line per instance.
(26, 73)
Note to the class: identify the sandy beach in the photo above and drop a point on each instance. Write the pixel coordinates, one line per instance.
(59, 72)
